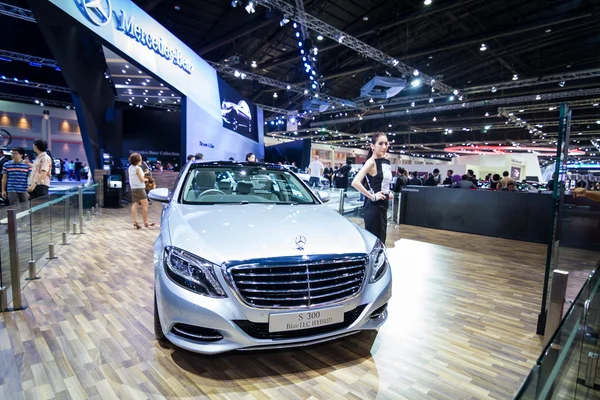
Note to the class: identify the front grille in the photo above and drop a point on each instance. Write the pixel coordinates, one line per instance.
(297, 283)
(261, 330)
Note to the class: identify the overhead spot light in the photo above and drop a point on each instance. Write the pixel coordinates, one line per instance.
(416, 72)
(487, 114)
(451, 98)
(430, 100)
(415, 83)
(288, 87)
(515, 77)
(434, 119)
(341, 38)
(235, 3)
(320, 37)
(538, 97)
(284, 21)
(455, 92)
(562, 84)
(254, 64)
(494, 90)
(236, 74)
(412, 104)
(250, 9)
(395, 62)
(483, 47)
(371, 101)
(427, 2)
(37, 102)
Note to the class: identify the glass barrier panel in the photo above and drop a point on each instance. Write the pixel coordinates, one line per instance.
(40, 232)
(4, 255)
(527, 391)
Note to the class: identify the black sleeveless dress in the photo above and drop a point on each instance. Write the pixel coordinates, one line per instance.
(375, 212)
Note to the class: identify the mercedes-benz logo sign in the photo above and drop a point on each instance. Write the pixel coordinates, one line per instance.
(98, 12)
(300, 242)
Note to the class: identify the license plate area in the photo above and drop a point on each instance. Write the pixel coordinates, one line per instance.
(296, 321)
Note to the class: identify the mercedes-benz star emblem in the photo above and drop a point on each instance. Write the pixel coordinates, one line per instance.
(98, 12)
(300, 242)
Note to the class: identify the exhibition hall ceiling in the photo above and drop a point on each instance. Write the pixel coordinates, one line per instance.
(511, 63)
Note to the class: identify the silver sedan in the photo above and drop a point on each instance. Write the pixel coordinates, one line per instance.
(261, 264)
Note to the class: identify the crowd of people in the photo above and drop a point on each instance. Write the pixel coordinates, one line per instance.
(466, 181)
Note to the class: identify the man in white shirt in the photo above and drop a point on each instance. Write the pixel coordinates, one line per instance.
(40, 170)
(315, 169)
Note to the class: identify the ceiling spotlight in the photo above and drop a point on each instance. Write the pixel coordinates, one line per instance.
(68, 107)
(538, 97)
(235, 3)
(288, 87)
(341, 38)
(415, 83)
(412, 104)
(381, 108)
(284, 21)
(548, 30)
(123, 71)
(371, 101)
(430, 100)
(305, 91)
(487, 114)
(236, 74)
(275, 95)
(254, 64)
(494, 89)
(455, 92)
(320, 37)
(416, 72)
(427, 2)
(561, 84)
(515, 77)
(451, 98)
(37, 102)
(483, 47)
(250, 8)
(434, 119)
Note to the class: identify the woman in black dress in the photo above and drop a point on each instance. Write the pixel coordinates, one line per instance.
(373, 181)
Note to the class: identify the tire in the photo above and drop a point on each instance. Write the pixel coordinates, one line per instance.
(235, 125)
(158, 332)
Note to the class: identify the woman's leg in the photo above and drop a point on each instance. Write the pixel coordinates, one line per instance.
(145, 211)
(383, 232)
(134, 206)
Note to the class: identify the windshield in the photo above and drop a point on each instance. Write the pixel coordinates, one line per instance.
(242, 184)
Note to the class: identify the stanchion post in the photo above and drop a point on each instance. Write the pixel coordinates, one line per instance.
(88, 216)
(64, 238)
(13, 252)
(341, 204)
(51, 255)
(80, 195)
(3, 298)
(32, 271)
(74, 228)
(558, 291)
(399, 214)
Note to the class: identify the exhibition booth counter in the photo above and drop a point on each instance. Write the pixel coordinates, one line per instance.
(510, 215)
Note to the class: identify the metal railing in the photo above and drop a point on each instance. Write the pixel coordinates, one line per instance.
(31, 233)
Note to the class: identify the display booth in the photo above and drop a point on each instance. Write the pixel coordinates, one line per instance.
(215, 120)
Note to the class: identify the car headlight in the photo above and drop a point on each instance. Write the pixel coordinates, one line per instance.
(192, 272)
(379, 262)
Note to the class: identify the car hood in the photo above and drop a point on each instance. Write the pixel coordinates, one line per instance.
(229, 232)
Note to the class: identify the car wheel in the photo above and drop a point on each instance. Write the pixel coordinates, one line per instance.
(235, 125)
(158, 332)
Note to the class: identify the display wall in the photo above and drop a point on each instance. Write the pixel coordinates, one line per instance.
(130, 32)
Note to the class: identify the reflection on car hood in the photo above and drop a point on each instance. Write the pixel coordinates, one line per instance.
(225, 232)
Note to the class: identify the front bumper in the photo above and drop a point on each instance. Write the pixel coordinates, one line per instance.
(227, 316)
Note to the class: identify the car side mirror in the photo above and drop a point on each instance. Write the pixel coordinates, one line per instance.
(161, 195)
(324, 196)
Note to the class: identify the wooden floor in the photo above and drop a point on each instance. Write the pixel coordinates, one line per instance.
(461, 326)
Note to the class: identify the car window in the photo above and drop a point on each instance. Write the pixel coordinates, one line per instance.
(208, 184)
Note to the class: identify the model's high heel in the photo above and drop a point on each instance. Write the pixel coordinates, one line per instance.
(148, 225)
(137, 226)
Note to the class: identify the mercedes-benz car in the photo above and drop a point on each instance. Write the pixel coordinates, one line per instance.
(261, 264)
(236, 115)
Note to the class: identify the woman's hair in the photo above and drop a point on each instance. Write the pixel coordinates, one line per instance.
(496, 177)
(373, 141)
(249, 155)
(401, 171)
(135, 158)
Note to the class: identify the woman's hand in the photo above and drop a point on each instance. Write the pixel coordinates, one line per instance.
(391, 195)
(579, 192)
